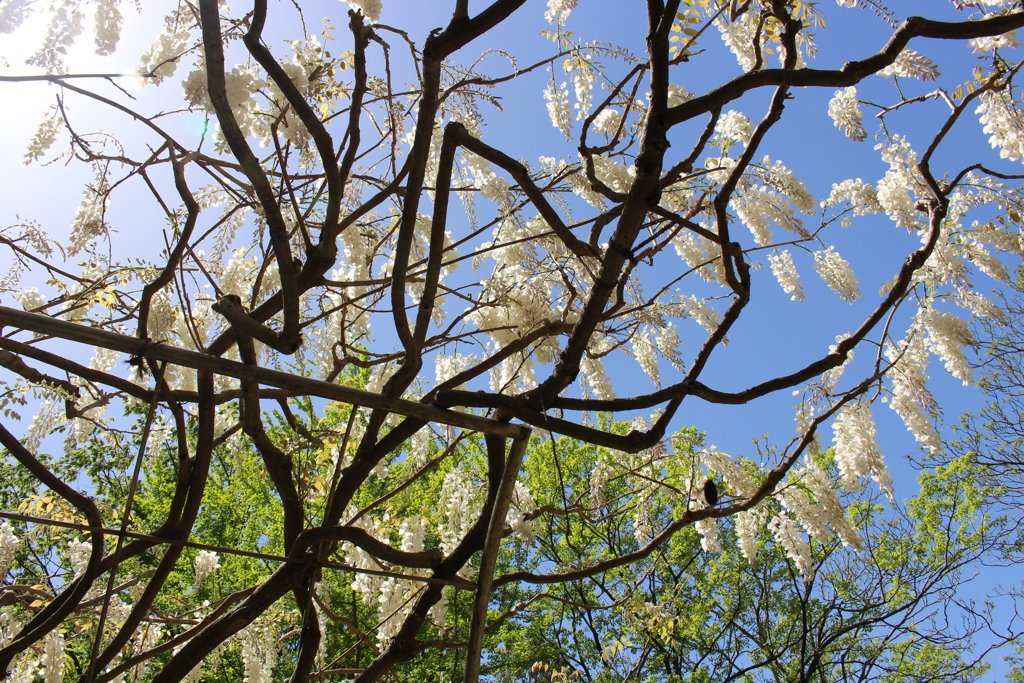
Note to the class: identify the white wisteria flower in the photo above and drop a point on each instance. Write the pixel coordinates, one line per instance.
(856, 447)
(910, 64)
(734, 126)
(558, 11)
(558, 108)
(607, 121)
(837, 274)
(788, 535)
(9, 543)
(844, 108)
(370, 9)
(45, 136)
(1002, 122)
(108, 26)
(708, 530)
(206, 563)
(947, 337)
(784, 271)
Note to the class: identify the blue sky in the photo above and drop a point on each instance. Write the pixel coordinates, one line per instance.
(774, 336)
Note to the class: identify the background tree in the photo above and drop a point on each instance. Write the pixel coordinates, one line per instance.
(318, 275)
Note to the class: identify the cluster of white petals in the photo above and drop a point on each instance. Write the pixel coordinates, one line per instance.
(708, 530)
(992, 43)
(1002, 122)
(617, 176)
(784, 271)
(677, 94)
(51, 664)
(9, 543)
(522, 504)
(206, 563)
(698, 309)
(79, 553)
(947, 337)
(911, 399)
(787, 534)
(558, 11)
(370, 9)
(897, 192)
(592, 372)
(821, 504)
(645, 353)
(161, 59)
(45, 136)
(558, 108)
(608, 121)
(844, 108)
(729, 470)
(733, 126)
(108, 26)
(837, 274)
(459, 500)
(748, 524)
(856, 447)
(910, 64)
(739, 38)
(490, 184)
(259, 650)
(859, 194)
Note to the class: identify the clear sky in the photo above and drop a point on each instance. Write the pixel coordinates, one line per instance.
(774, 336)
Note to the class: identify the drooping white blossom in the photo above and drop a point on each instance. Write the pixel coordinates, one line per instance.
(90, 217)
(748, 524)
(788, 535)
(739, 38)
(702, 313)
(79, 553)
(897, 192)
(816, 505)
(52, 662)
(992, 43)
(259, 651)
(708, 530)
(784, 271)
(607, 121)
(370, 9)
(161, 59)
(206, 563)
(860, 195)
(910, 64)
(844, 108)
(911, 399)
(558, 108)
(108, 26)
(856, 447)
(558, 11)
(1003, 122)
(734, 126)
(521, 505)
(45, 135)
(947, 337)
(837, 274)
(728, 469)
(9, 543)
